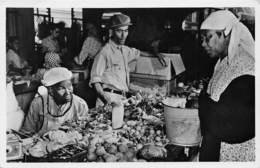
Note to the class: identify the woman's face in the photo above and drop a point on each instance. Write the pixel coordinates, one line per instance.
(214, 43)
(56, 32)
(16, 45)
(62, 92)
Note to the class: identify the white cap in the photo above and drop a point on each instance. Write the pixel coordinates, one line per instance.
(56, 75)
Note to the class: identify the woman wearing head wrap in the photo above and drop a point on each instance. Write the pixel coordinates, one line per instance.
(57, 105)
(227, 107)
(51, 60)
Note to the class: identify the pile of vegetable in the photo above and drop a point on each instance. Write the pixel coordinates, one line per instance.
(141, 138)
(190, 92)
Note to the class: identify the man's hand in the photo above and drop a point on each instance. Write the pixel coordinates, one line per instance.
(158, 55)
(106, 99)
(161, 59)
(109, 101)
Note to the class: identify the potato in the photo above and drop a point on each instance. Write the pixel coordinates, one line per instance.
(119, 156)
(180, 84)
(129, 155)
(91, 149)
(139, 110)
(152, 131)
(110, 158)
(112, 149)
(100, 151)
(157, 138)
(139, 146)
(138, 128)
(100, 159)
(123, 148)
(91, 157)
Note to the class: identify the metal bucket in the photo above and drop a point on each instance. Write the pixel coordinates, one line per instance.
(182, 124)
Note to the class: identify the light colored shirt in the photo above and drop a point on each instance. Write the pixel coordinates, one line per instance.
(41, 115)
(50, 45)
(12, 58)
(110, 66)
(14, 113)
(90, 48)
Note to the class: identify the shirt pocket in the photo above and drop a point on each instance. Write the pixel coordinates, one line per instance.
(116, 66)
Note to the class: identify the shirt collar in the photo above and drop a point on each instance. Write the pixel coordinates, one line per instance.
(115, 46)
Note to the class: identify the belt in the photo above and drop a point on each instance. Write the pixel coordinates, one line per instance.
(115, 91)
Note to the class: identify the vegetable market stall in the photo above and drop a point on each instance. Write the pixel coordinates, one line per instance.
(141, 138)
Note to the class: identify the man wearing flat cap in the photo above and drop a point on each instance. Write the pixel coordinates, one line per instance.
(55, 105)
(110, 71)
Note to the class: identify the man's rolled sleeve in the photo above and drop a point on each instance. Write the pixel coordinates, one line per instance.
(98, 69)
(134, 54)
(82, 112)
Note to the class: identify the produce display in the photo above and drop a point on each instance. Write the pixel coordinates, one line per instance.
(141, 138)
(189, 93)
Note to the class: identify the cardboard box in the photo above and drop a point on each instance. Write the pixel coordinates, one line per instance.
(148, 72)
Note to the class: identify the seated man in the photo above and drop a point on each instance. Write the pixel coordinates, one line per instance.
(51, 109)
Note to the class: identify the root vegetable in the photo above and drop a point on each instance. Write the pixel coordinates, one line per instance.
(119, 156)
(112, 149)
(100, 151)
(158, 132)
(123, 148)
(129, 155)
(157, 138)
(181, 84)
(139, 146)
(91, 157)
(110, 158)
(152, 131)
(139, 110)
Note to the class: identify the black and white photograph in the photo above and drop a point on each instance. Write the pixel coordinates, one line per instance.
(145, 86)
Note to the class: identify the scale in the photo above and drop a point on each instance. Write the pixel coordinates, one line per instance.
(13, 147)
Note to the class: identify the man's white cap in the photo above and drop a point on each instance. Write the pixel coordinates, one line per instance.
(220, 20)
(56, 75)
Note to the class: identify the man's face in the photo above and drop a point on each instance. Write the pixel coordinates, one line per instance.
(213, 43)
(120, 34)
(56, 32)
(62, 92)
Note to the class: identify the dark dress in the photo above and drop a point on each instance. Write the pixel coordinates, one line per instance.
(231, 119)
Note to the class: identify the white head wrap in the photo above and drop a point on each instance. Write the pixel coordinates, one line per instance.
(241, 51)
(56, 75)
